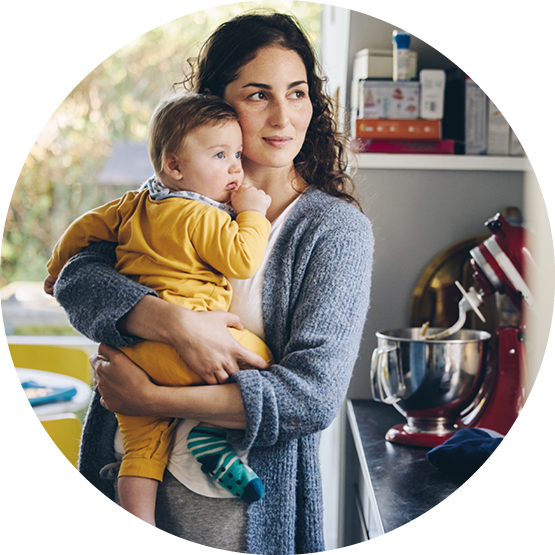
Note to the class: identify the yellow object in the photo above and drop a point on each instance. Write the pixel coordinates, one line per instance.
(183, 249)
(61, 360)
(65, 431)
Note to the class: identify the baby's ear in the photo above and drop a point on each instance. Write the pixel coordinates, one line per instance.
(172, 166)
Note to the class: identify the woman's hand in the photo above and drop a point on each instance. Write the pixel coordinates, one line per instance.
(123, 386)
(201, 338)
(206, 345)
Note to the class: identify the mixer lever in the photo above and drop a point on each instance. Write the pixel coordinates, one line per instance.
(471, 300)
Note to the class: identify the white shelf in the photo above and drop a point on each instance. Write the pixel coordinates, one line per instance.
(442, 162)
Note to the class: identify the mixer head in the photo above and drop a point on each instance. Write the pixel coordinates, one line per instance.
(500, 263)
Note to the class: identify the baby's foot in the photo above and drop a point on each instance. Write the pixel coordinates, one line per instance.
(222, 464)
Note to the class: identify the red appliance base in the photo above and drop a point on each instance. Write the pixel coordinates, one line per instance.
(399, 434)
(497, 408)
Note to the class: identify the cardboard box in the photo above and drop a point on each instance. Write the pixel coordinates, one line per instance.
(388, 100)
(405, 147)
(400, 129)
(375, 64)
(476, 121)
(432, 93)
(498, 132)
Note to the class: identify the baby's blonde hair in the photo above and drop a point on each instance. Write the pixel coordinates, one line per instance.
(175, 117)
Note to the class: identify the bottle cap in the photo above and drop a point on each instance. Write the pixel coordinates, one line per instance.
(401, 40)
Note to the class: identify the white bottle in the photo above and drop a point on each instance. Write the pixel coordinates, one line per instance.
(401, 56)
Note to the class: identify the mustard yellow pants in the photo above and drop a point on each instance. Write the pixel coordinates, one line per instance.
(148, 440)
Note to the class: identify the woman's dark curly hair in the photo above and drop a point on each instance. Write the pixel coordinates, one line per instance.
(322, 161)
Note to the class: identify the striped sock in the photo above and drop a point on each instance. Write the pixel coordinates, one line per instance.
(222, 464)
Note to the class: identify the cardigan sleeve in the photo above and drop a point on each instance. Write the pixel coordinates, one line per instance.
(95, 296)
(328, 298)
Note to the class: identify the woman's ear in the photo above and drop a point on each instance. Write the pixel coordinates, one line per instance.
(173, 167)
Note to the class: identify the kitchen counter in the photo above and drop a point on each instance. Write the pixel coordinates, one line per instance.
(386, 485)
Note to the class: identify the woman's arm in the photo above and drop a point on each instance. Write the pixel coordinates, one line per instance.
(128, 390)
(319, 343)
(202, 338)
(112, 309)
(95, 296)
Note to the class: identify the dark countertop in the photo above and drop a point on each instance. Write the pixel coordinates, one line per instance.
(405, 484)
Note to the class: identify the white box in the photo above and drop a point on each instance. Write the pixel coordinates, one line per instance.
(476, 121)
(498, 132)
(376, 64)
(432, 93)
(388, 100)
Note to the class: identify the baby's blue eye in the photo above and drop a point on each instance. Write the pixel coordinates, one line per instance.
(220, 155)
(238, 155)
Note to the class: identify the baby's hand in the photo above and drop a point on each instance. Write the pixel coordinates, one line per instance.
(49, 285)
(247, 197)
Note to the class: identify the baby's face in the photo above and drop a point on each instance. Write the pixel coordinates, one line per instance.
(211, 160)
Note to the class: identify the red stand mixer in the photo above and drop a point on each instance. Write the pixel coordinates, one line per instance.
(445, 380)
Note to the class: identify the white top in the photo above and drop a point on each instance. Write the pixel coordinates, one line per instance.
(247, 304)
(246, 301)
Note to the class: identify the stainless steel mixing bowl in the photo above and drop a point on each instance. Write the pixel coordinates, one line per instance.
(429, 380)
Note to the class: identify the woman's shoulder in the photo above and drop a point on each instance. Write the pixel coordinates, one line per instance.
(324, 210)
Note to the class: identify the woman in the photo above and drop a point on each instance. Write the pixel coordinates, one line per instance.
(308, 302)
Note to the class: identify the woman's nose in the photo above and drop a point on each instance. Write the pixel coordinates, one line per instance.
(279, 116)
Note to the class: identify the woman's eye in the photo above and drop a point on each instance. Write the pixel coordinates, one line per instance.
(258, 96)
(299, 94)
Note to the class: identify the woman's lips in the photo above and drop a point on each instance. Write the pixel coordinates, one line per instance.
(277, 141)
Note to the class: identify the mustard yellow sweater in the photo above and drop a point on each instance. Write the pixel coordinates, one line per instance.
(183, 249)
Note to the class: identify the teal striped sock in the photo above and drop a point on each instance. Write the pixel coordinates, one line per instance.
(222, 464)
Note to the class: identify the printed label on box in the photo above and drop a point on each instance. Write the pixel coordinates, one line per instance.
(432, 93)
(388, 100)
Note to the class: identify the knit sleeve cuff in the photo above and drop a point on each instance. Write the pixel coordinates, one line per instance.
(95, 296)
(261, 412)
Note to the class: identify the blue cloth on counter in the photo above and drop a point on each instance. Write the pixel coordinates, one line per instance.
(466, 451)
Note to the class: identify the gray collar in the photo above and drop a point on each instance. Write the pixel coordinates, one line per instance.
(158, 191)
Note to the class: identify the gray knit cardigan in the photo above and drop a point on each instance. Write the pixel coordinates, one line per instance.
(315, 298)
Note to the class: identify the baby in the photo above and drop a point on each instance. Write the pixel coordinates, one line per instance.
(179, 236)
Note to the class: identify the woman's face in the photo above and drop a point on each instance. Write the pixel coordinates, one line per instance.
(271, 98)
